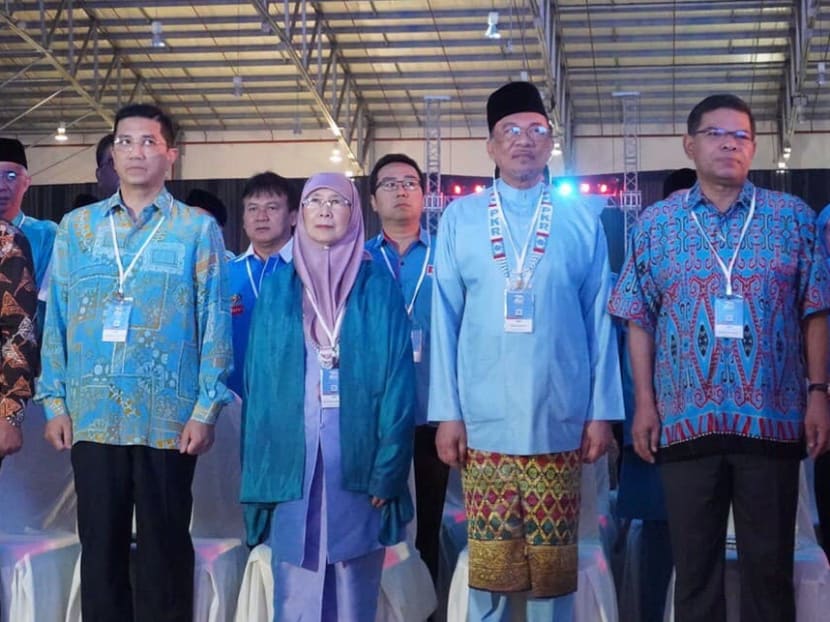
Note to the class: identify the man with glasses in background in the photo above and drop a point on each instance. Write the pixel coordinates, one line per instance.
(136, 351)
(269, 214)
(524, 373)
(404, 248)
(725, 290)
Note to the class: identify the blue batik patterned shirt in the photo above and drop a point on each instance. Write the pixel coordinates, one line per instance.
(177, 355)
(717, 394)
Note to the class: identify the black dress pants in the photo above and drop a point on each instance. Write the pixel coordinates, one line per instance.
(763, 492)
(430, 489)
(109, 481)
(821, 486)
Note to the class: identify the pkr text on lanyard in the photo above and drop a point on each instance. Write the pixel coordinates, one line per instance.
(122, 273)
(539, 233)
(726, 268)
(411, 305)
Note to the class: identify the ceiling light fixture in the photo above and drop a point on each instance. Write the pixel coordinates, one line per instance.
(492, 31)
(787, 152)
(557, 147)
(158, 36)
(237, 86)
(821, 78)
(60, 134)
(335, 157)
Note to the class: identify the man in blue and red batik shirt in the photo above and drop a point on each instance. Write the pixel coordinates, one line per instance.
(725, 291)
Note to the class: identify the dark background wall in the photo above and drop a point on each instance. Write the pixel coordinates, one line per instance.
(51, 202)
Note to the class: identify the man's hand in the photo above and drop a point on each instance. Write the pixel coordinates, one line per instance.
(817, 424)
(451, 443)
(59, 432)
(596, 437)
(11, 438)
(377, 502)
(645, 431)
(197, 438)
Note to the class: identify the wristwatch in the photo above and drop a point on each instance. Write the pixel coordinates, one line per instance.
(824, 387)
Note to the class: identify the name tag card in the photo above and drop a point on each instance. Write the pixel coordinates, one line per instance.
(417, 336)
(729, 317)
(330, 388)
(117, 320)
(518, 311)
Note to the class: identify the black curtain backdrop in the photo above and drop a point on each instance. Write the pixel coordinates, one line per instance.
(51, 202)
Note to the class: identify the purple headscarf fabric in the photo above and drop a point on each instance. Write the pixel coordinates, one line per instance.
(328, 272)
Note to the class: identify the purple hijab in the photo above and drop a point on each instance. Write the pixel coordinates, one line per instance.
(328, 272)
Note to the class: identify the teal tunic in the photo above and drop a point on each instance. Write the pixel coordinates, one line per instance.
(377, 397)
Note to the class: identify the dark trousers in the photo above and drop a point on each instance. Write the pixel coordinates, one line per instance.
(109, 481)
(430, 488)
(763, 492)
(822, 490)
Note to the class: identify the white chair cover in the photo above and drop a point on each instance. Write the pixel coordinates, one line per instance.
(38, 545)
(811, 575)
(595, 599)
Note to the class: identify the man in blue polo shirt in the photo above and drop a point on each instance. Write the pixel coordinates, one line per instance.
(269, 213)
(404, 247)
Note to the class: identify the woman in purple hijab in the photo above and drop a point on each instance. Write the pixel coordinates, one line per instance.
(328, 422)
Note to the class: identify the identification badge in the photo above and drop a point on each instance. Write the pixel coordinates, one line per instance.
(330, 388)
(518, 311)
(117, 320)
(417, 336)
(729, 317)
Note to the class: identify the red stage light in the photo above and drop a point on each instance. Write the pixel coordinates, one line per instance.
(603, 188)
(585, 187)
(479, 188)
(456, 189)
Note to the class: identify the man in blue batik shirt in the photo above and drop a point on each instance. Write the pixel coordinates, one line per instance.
(269, 213)
(404, 248)
(136, 352)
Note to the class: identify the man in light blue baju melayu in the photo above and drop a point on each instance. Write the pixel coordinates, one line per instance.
(524, 373)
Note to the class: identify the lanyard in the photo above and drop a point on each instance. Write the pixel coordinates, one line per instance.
(123, 274)
(333, 335)
(538, 233)
(726, 269)
(411, 305)
(255, 287)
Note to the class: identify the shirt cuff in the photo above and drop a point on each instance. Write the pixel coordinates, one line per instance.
(54, 407)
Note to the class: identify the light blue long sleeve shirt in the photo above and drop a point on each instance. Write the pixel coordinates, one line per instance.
(523, 394)
(41, 236)
(406, 270)
(177, 354)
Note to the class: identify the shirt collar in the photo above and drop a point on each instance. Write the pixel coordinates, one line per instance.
(286, 253)
(696, 198)
(163, 202)
(18, 220)
(385, 240)
(519, 196)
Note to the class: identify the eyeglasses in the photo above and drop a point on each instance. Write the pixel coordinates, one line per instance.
(718, 134)
(10, 177)
(334, 204)
(511, 132)
(390, 185)
(125, 144)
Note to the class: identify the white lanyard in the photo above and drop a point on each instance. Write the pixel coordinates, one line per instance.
(538, 233)
(255, 287)
(411, 306)
(333, 335)
(726, 269)
(123, 274)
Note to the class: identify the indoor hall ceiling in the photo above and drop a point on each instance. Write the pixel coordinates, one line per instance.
(358, 67)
